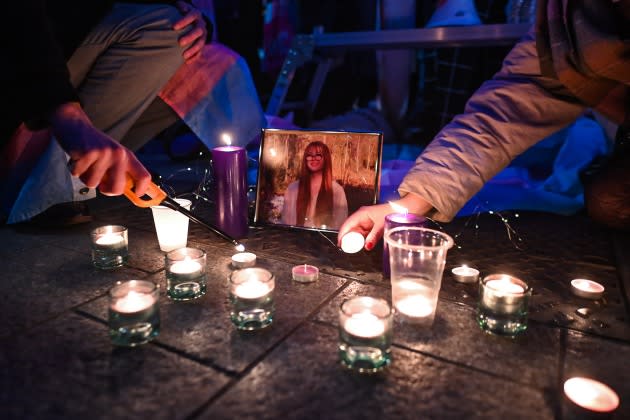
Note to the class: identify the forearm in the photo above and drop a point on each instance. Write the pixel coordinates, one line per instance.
(507, 115)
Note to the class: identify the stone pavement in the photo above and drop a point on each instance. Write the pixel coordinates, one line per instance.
(56, 360)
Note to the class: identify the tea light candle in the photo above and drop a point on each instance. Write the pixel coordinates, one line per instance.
(186, 268)
(365, 325)
(587, 288)
(111, 241)
(352, 242)
(591, 395)
(415, 306)
(503, 293)
(465, 274)
(252, 288)
(305, 273)
(133, 302)
(244, 260)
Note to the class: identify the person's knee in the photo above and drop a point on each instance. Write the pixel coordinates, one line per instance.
(607, 196)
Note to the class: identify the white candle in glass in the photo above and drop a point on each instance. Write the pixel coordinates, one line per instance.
(413, 299)
(252, 289)
(187, 267)
(133, 302)
(365, 325)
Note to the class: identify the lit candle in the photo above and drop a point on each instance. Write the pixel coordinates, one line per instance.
(187, 268)
(185, 274)
(587, 288)
(230, 172)
(305, 273)
(465, 274)
(413, 299)
(110, 241)
(109, 246)
(244, 260)
(365, 325)
(252, 288)
(133, 302)
(352, 242)
(591, 395)
(503, 304)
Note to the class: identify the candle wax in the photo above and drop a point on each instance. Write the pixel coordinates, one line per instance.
(109, 239)
(251, 289)
(364, 325)
(244, 259)
(133, 302)
(187, 266)
(505, 286)
(415, 306)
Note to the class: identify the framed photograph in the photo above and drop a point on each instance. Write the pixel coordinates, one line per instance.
(315, 179)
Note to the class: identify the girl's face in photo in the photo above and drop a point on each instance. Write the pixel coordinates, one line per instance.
(314, 159)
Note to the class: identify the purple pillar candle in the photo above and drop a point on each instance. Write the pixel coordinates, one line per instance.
(230, 174)
(395, 220)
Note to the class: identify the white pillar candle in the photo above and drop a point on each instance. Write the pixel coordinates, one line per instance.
(588, 289)
(365, 325)
(591, 395)
(465, 274)
(305, 273)
(243, 260)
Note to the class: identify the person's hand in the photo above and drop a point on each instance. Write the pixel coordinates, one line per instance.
(369, 221)
(194, 40)
(97, 159)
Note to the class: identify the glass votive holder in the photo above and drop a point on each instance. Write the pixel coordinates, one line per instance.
(251, 298)
(185, 274)
(171, 226)
(109, 247)
(134, 316)
(503, 304)
(417, 257)
(365, 333)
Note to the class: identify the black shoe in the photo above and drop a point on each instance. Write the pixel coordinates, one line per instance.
(63, 214)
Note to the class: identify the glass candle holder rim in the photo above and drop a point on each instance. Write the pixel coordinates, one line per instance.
(449, 242)
(181, 201)
(512, 279)
(384, 303)
(150, 287)
(180, 254)
(101, 230)
(413, 218)
(241, 276)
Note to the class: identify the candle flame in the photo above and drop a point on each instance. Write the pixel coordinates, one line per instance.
(240, 247)
(227, 139)
(398, 208)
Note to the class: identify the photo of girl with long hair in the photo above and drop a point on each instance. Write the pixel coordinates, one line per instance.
(315, 199)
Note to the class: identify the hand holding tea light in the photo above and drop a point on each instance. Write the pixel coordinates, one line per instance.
(305, 273)
(244, 260)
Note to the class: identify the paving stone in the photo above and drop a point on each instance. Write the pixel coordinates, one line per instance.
(36, 291)
(455, 336)
(202, 328)
(67, 369)
(603, 360)
(302, 378)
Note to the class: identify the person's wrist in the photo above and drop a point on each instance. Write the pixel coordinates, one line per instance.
(415, 204)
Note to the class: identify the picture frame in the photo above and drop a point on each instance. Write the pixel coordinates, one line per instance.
(342, 167)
